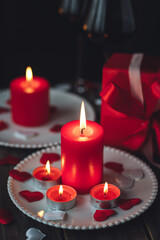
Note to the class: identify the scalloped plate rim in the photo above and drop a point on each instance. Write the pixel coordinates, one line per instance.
(98, 225)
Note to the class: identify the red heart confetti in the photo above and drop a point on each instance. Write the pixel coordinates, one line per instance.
(3, 161)
(101, 215)
(9, 160)
(20, 176)
(31, 196)
(4, 110)
(5, 216)
(117, 167)
(127, 204)
(3, 125)
(52, 157)
(8, 101)
(56, 128)
(53, 109)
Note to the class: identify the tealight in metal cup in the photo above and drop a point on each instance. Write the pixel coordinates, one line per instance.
(58, 205)
(46, 184)
(104, 204)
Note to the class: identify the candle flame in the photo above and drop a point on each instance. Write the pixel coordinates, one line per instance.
(105, 190)
(60, 191)
(40, 213)
(82, 118)
(29, 74)
(48, 167)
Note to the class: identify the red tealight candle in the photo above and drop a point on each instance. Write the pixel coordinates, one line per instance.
(104, 195)
(30, 100)
(46, 176)
(82, 153)
(61, 197)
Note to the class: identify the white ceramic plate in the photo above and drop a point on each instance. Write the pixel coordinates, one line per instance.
(81, 216)
(68, 109)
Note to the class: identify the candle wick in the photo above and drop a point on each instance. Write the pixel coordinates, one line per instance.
(47, 175)
(29, 84)
(82, 129)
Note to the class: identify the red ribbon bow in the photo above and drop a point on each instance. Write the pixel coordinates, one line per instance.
(127, 123)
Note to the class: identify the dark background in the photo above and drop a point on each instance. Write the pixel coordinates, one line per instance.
(59, 50)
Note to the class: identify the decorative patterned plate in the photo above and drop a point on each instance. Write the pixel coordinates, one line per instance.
(67, 108)
(81, 216)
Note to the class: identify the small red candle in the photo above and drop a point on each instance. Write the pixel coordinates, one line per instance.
(104, 195)
(30, 100)
(82, 154)
(46, 176)
(61, 197)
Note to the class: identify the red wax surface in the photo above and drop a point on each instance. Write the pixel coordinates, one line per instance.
(98, 192)
(82, 155)
(68, 194)
(30, 101)
(40, 173)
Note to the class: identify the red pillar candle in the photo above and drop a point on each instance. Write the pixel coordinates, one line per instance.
(61, 197)
(104, 195)
(30, 100)
(46, 176)
(82, 154)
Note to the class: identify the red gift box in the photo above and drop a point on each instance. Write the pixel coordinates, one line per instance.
(130, 107)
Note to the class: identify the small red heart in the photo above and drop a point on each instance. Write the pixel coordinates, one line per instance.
(3, 125)
(31, 196)
(13, 160)
(52, 157)
(101, 215)
(3, 161)
(5, 216)
(117, 167)
(127, 204)
(4, 110)
(56, 128)
(9, 160)
(20, 176)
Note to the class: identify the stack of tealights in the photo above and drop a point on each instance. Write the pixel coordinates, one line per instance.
(81, 149)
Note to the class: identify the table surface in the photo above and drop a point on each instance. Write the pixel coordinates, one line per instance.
(144, 227)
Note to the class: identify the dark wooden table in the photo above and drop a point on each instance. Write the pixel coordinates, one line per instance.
(144, 227)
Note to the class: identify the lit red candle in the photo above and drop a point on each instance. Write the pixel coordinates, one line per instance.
(82, 153)
(104, 195)
(30, 100)
(61, 197)
(46, 176)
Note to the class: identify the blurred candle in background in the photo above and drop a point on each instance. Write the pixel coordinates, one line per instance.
(30, 100)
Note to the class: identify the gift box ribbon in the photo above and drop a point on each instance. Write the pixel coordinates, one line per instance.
(134, 115)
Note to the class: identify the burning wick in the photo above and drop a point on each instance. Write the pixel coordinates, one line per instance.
(48, 168)
(29, 74)
(29, 80)
(82, 130)
(105, 190)
(60, 191)
(82, 118)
